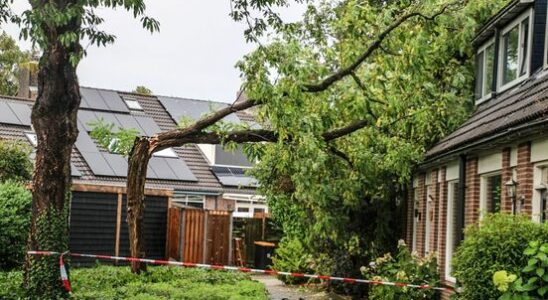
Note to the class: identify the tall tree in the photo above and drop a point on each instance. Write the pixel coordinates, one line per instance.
(350, 97)
(57, 28)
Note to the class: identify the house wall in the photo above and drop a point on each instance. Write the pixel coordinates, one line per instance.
(523, 162)
(219, 203)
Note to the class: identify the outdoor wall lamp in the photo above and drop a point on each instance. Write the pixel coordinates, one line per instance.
(511, 187)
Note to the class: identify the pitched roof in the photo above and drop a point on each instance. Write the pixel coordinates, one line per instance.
(510, 112)
(93, 165)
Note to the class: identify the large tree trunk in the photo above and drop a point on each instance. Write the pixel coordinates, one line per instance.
(137, 171)
(54, 120)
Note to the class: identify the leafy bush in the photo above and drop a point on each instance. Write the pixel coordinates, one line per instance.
(15, 163)
(407, 268)
(15, 207)
(107, 282)
(290, 256)
(533, 281)
(497, 243)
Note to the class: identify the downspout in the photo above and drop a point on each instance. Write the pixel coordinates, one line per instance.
(461, 198)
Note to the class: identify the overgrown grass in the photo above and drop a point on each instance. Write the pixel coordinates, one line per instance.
(106, 282)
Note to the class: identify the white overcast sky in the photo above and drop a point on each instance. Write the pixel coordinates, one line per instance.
(192, 56)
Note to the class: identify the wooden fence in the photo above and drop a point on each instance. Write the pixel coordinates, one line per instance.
(199, 236)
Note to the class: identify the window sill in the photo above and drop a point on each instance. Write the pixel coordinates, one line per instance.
(484, 99)
(512, 83)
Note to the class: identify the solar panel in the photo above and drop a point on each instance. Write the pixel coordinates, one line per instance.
(179, 108)
(84, 142)
(162, 169)
(117, 163)
(236, 158)
(114, 101)
(85, 117)
(109, 118)
(128, 121)
(22, 111)
(149, 126)
(7, 115)
(229, 176)
(181, 170)
(93, 99)
(97, 163)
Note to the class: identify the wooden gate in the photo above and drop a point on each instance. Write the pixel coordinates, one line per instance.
(199, 236)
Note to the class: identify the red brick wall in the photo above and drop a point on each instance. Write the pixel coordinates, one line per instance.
(525, 177)
(506, 202)
(442, 225)
(472, 194)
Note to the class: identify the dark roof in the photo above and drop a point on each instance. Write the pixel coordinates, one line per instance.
(504, 16)
(109, 105)
(510, 112)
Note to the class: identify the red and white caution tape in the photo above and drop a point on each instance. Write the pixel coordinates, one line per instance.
(66, 282)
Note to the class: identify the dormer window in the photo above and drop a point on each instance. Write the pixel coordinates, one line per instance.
(515, 51)
(485, 60)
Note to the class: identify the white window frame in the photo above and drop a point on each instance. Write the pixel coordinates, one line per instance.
(537, 179)
(517, 22)
(483, 49)
(190, 198)
(451, 206)
(133, 104)
(483, 191)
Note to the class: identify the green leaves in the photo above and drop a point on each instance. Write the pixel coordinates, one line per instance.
(119, 141)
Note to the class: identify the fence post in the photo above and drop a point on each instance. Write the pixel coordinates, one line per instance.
(230, 228)
(206, 235)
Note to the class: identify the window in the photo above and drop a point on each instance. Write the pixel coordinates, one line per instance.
(190, 200)
(243, 209)
(133, 104)
(452, 234)
(515, 51)
(541, 193)
(33, 140)
(542, 190)
(485, 60)
(168, 152)
(491, 193)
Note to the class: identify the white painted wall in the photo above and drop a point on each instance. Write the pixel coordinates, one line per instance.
(490, 163)
(208, 151)
(452, 171)
(539, 150)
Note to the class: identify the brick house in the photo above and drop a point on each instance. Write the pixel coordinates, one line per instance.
(497, 161)
(184, 175)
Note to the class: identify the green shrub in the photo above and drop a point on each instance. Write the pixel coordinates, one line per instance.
(15, 207)
(533, 280)
(15, 163)
(497, 243)
(290, 256)
(108, 282)
(405, 268)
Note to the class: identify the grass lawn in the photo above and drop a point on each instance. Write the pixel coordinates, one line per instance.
(106, 282)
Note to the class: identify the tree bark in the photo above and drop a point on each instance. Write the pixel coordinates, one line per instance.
(137, 171)
(54, 120)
